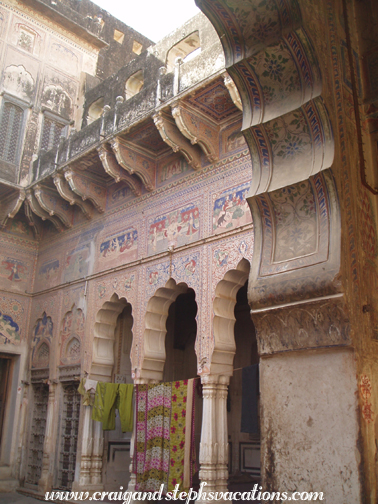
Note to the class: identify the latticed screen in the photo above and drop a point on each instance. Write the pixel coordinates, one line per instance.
(10, 132)
(69, 432)
(51, 133)
(37, 437)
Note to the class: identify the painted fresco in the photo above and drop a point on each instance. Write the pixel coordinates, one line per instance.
(19, 227)
(119, 247)
(230, 209)
(48, 273)
(175, 228)
(13, 270)
(72, 336)
(118, 195)
(9, 329)
(232, 139)
(18, 81)
(77, 263)
(12, 319)
(172, 170)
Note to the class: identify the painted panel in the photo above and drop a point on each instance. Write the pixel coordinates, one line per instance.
(174, 228)
(171, 169)
(48, 274)
(76, 264)
(230, 209)
(118, 248)
(12, 319)
(15, 274)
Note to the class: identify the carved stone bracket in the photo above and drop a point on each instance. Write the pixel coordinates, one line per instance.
(174, 138)
(32, 219)
(197, 129)
(66, 193)
(87, 187)
(10, 205)
(38, 210)
(112, 168)
(135, 162)
(233, 90)
(53, 204)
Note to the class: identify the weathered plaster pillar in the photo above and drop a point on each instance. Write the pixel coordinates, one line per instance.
(222, 434)
(97, 454)
(46, 481)
(208, 456)
(308, 387)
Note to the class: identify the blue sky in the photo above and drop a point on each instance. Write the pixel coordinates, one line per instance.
(152, 18)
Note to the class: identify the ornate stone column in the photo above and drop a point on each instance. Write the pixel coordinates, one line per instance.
(46, 481)
(86, 448)
(209, 446)
(222, 434)
(97, 454)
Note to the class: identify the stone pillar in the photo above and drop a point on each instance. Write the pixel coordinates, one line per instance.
(46, 481)
(97, 454)
(86, 449)
(222, 434)
(208, 446)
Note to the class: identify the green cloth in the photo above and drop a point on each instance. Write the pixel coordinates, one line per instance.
(125, 406)
(87, 396)
(108, 398)
(105, 404)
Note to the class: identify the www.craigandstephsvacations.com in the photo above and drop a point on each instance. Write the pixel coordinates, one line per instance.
(256, 494)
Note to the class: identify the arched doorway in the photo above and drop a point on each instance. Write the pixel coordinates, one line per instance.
(181, 359)
(117, 443)
(244, 447)
(169, 348)
(105, 457)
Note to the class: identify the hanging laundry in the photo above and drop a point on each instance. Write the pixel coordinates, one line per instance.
(125, 406)
(164, 443)
(250, 388)
(108, 398)
(105, 404)
(85, 387)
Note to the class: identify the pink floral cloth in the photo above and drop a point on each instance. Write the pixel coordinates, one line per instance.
(164, 426)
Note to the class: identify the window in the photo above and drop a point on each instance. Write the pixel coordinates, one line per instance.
(137, 47)
(134, 84)
(53, 127)
(95, 110)
(189, 45)
(51, 132)
(118, 36)
(10, 132)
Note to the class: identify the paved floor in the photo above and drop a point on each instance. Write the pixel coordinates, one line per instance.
(16, 498)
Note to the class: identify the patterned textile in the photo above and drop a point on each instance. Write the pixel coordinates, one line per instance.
(162, 430)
